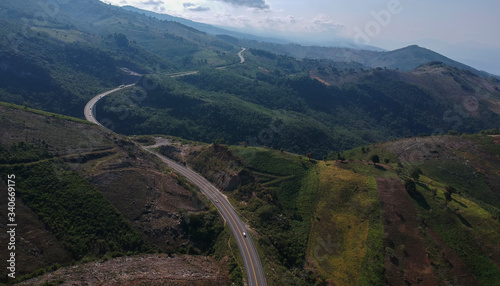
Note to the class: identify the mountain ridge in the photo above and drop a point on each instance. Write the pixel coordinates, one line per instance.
(381, 58)
(310, 164)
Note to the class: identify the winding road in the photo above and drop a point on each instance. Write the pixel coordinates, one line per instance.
(253, 266)
(89, 110)
(240, 54)
(179, 74)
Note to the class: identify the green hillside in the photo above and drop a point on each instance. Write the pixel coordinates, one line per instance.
(326, 110)
(427, 213)
(336, 158)
(85, 194)
(302, 105)
(83, 48)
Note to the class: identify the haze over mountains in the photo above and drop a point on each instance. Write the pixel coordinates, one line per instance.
(462, 31)
(347, 166)
(86, 45)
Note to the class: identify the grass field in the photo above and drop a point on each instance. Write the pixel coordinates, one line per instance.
(347, 220)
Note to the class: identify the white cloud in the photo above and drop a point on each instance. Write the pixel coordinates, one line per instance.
(276, 22)
(254, 16)
(153, 3)
(195, 7)
(260, 4)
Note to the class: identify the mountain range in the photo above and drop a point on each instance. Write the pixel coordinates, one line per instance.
(361, 96)
(405, 58)
(349, 166)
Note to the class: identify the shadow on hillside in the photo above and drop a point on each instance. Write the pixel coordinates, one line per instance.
(419, 198)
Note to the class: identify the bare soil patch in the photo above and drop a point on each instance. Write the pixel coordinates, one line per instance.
(151, 201)
(155, 269)
(315, 76)
(406, 259)
(496, 139)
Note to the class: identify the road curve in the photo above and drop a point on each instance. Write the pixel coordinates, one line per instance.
(89, 110)
(240, 54)
(253, 267)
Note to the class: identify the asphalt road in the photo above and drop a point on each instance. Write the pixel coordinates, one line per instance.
(179, 74)
(240, 54)
(89, 110)
(253, 267)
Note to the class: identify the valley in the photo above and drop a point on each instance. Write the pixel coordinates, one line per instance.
(203, 158)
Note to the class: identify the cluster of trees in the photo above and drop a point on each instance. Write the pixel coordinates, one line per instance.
(203, 228)
(79, 216)
(304, 115)
(23, 153)
(495, 131)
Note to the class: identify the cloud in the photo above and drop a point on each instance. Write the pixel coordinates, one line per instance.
(194, 7)
(153, 2)
(319, 24)
(260, 4)
(155, 5)
(322, 23)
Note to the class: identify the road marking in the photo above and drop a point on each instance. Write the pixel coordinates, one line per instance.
(183, 170)
(192, 177)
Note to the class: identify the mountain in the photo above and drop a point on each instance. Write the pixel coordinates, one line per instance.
(88, 46)
(404, 59)
(431, 202)
(478, 55)
(230, 31)
(427, 212)
(373, 200)
(411, 57)
(85, 194)
(210, 29)
(60, 63)
(318, 108)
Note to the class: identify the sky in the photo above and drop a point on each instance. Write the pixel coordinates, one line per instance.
(463, 30)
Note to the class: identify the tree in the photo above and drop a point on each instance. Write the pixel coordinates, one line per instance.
(447, 196)
(309, 155)
(218, 141)
(375, 159)
(415, 175)
(121, 40)
(410, 186)
(339, 157)
(450, 190)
